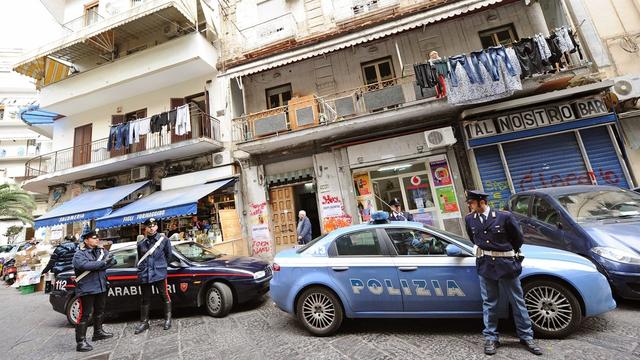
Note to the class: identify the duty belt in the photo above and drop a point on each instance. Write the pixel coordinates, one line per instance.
(480, 253)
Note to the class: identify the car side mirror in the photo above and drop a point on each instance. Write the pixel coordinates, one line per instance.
(453, 250)
(176, 264)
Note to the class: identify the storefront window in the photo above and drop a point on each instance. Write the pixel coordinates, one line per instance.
(418, 192)
(387, 190)
(398, 169)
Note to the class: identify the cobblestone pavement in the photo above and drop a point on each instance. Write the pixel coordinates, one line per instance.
(32, 330)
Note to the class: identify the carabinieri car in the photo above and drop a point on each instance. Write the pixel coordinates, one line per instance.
(197, 276)
(407, 270)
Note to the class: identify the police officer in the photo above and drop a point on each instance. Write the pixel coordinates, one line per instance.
(154, 254)
(396, 212)
(90, 263)
(498, 238)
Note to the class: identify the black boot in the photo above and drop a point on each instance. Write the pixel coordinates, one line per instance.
(144, 319)
(98, 332)
(81, 338)
(167, 316)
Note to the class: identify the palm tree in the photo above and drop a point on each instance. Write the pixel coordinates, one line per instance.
(16, 203)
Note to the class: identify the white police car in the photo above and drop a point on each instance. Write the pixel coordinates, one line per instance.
(407, 270)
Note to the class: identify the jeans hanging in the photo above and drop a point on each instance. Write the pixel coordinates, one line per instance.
(464, 62)
(113, 136)
(480, 57)
(498, 52)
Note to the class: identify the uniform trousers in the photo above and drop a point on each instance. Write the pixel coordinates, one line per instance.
(161, 286)
(91, 303)
(490, 291)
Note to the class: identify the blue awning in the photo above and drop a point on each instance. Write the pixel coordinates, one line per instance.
(87, 206)
(33, 115)
(161, 205)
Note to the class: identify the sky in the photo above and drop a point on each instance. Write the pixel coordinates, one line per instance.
(26, 24)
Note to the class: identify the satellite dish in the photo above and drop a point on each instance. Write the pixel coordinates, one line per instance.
(623, 87)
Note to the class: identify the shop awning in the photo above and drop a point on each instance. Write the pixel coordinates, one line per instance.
(87, 206)
(161, 205)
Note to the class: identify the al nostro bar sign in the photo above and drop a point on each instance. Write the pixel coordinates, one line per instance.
(536, 117)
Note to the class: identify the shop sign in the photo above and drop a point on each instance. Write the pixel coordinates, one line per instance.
(537, 117)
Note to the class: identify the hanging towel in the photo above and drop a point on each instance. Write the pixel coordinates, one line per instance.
(183, 122)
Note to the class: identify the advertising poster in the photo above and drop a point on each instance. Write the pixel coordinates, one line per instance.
(336, 222)
(447, 199)
(365, 207)
(362, 184)
(261, 239)
(440, 172)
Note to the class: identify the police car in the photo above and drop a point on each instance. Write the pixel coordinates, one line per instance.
(408, 270)
(197, 276)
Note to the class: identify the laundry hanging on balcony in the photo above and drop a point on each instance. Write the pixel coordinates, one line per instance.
(182, 122)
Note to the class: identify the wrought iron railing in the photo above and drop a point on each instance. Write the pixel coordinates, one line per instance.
(202, 126)
(335, 107)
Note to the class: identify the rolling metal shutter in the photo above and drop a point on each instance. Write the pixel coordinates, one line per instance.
(494, 180)
(603, 158)
(545, 162)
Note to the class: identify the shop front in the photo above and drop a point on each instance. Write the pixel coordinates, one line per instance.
(566, 143)
(205, 213)
(425, 180)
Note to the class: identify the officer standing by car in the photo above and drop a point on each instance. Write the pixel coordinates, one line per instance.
(90, 263)
(154, 255)
(498, 238)
(396, 212)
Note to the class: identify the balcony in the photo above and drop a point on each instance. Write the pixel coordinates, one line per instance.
(173, 62)
(347, 10)
(276, 30)
(380, 106)
(94, 159)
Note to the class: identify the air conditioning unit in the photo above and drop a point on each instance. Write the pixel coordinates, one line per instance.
(139, 173)
(439, 137)
(171, 30)
(222, 158)
(626, 87)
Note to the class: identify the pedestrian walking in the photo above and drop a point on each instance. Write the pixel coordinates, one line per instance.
(154, 252)
(304, 228)
(62, 258)
(90, 263)
(396, 212)
(497, 238)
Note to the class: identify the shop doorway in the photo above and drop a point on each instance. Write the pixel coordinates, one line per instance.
(306, 200)
(283, 209)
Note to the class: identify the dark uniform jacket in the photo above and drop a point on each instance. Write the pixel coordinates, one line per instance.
(500, 232)
(154, 267)
(87, 259)
(404, 216)
(62, 258)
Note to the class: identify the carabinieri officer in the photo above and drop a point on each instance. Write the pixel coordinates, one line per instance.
(90, 263)
(497, 238)
(154, 254)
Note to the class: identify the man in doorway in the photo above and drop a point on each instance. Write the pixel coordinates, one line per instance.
(396, 212)
(498, 238)
(304, 228)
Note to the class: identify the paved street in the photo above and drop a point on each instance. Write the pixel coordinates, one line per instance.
(31, 330)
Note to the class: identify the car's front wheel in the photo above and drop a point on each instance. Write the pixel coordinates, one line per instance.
(554, 310)
(74, 311)
(319, 310)
(219, 299)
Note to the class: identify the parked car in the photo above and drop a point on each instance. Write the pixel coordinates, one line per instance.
(600, 223)
(197, 276)
(408, 270)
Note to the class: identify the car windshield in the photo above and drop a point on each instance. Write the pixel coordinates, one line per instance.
(196, 252)
(600, 205)
(310, 243)
(453, 236)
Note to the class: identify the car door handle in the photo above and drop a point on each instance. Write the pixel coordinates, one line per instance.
(408, 268)
(340, 268)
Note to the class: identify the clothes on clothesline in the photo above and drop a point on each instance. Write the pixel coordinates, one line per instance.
(183, 121)
(432, 75)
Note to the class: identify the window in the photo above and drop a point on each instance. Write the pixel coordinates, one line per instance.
(358, 244)
(278, 96)
(196, 252)
(378, 74)
(91, 13)
(520, 205)
(134, 115)
(364, 6)
(413, 242)
(418, 192)
(544, 212)
(126, 258)
(503, 35)
(601, 204)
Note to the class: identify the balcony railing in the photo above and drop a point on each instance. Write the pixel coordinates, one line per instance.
(297, 115)
(268, 32)
(202, 126)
